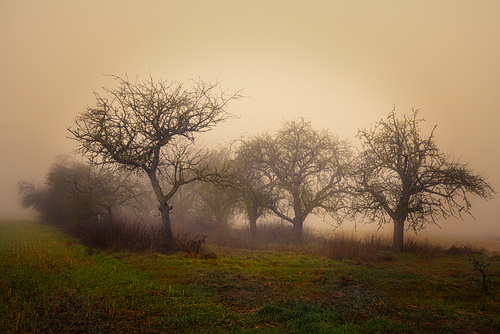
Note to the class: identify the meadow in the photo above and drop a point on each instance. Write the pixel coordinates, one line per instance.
(51, 283)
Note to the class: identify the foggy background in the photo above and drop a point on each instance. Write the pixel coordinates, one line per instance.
(340, 64)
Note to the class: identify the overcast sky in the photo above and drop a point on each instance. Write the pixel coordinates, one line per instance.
(340, 64)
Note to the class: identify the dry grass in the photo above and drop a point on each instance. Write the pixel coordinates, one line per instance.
(351, 246)
(145, 237)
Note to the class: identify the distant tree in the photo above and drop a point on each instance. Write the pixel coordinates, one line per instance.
(183, 207)
(104, 189)
(34, 197)
(252, 187)
(216, 203)
(150, 126)
(74, 191)
(303, 170)
(56, 199)
(403, 177)
(208, 206)
(214, 206)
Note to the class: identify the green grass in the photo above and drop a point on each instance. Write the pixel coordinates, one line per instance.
(49, 283)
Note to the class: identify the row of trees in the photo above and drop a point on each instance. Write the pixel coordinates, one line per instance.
(148, 128)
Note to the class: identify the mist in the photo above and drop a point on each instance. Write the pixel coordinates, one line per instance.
(342, 66)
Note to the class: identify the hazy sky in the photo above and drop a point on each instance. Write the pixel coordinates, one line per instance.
(341, 64)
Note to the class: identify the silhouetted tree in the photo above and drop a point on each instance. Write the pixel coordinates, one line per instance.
(305, 171)
(150, 126)
(403, 177)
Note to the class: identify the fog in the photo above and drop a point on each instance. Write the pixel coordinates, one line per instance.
(343, 65)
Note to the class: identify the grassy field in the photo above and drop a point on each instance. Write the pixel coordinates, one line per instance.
(49, 283)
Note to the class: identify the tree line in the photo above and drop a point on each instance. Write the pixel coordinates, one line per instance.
(147, 129)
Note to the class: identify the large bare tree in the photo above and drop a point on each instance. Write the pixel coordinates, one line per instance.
(304, 170)
(150, 126)
(403, 177)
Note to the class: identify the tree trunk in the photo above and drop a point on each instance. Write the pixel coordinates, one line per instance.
(253, 227)
(167, 241)
(252, 220)
(297, 227)
(398, 239)
(110, 214)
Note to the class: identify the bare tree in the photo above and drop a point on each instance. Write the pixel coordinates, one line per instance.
(149, 126)
(403, 177)
(305, 170)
